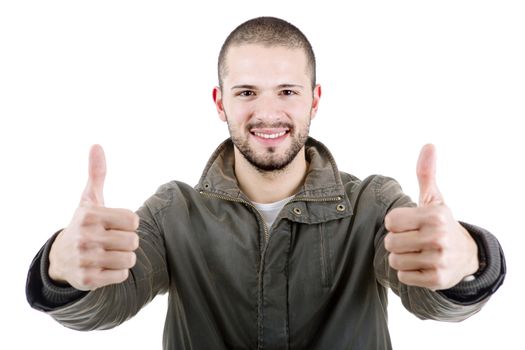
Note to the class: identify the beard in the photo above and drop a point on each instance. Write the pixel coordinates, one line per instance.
(269, 160)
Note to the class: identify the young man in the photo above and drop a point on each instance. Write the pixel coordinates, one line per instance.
(274, 248)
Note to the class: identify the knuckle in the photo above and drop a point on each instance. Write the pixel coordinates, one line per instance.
(83, 241)
(82, 260)
(388, 221)
(86, 216)
(435, 264)
(439, 241)
(132, 259)
(130, 218)
(80, 245)
(135, 220)
(401, 277)
(393, 218)
(123, 275)
(437, 218)
(440, 262)
(85, 260)
(389, 242)
(436, 279)
(86, 278)
(392, 260)
(134, 241)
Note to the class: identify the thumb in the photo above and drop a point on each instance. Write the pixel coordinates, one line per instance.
(93, 193)
(426, 175)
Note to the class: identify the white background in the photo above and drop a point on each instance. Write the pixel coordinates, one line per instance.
(137, 78)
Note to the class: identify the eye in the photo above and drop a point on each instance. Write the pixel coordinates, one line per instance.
(288, 92)
(246, 93)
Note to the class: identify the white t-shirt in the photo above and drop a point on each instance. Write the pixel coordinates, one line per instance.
(269, 211)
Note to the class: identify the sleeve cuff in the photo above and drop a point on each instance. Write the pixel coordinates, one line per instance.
(41, 291)
(490, 275)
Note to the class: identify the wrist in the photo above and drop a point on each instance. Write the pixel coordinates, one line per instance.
(53, 270)
(473, 262)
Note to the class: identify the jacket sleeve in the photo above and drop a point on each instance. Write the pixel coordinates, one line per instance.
(109, 306)
(456, 303)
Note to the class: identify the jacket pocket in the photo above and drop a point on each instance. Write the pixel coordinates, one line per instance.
(325, 260)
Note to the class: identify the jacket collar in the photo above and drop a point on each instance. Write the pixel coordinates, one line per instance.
(322, 180)
(321, 198)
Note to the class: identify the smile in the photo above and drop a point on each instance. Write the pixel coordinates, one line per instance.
(270, 136)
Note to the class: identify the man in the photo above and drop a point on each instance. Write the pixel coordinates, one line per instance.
(274, 248)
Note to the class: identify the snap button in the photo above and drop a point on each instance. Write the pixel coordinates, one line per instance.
(341, 207)
(297, 211)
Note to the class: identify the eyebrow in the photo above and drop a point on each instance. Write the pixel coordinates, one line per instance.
(253, 87)
(243, 86)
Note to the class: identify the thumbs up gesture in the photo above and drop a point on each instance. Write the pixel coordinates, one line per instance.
(97, 247)
(427, 246)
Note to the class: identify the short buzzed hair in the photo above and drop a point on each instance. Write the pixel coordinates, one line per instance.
(268, 31)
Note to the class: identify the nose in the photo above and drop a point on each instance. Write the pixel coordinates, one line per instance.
(268, 108)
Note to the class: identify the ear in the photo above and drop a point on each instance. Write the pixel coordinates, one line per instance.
(217, 99)
(315, 101)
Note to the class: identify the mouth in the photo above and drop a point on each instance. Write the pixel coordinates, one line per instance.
(270, 135)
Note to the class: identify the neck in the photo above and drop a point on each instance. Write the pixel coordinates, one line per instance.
(271, 186)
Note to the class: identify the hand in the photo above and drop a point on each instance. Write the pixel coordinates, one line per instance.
(97, 248)
(427, 246)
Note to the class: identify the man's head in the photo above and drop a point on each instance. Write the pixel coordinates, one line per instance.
(267, 92)
(269, 32)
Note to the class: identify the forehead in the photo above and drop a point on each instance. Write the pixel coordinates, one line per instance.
(263, 63)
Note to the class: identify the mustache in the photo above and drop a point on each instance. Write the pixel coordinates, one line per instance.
(262, 125)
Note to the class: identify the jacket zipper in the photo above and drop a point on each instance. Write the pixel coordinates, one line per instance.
(263, 249)
(311, 199)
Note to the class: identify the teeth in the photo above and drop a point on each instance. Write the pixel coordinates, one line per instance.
(270, 136)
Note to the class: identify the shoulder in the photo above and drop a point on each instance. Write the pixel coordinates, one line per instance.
(377, 189)
(173, 193)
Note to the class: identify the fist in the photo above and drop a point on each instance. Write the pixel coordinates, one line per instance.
(427, 246)
(98, 247)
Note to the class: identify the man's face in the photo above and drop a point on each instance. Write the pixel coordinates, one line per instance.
(268, 103)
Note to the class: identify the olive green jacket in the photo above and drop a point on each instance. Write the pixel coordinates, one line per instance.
(316, 279)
